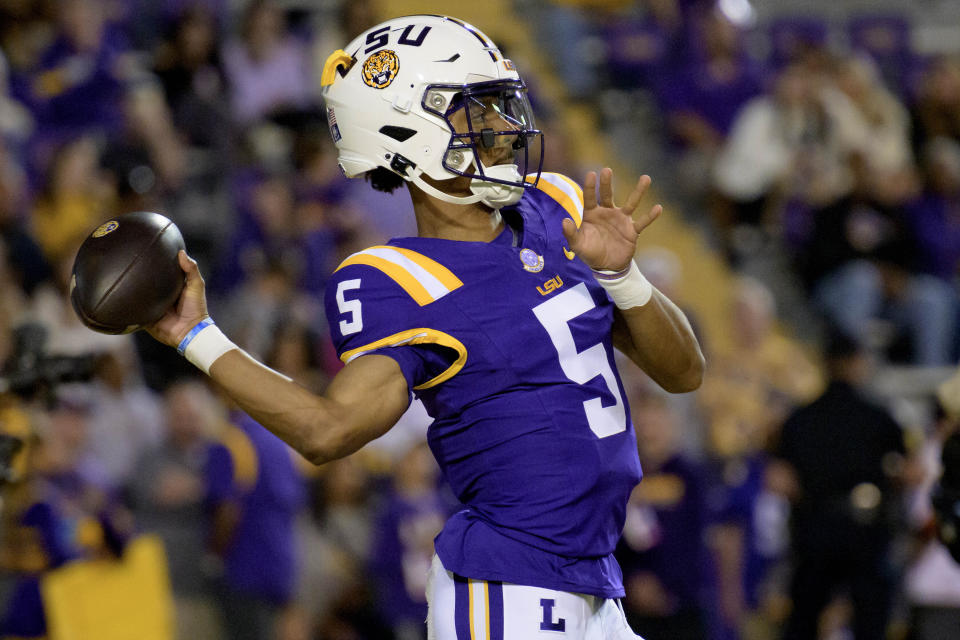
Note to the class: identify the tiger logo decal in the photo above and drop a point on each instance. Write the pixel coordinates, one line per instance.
(380, 69)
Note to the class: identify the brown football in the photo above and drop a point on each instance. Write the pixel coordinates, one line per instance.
(126, 273)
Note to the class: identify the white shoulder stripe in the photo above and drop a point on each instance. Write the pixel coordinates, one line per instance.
(429, 282)
(564, 191)
(568, 186)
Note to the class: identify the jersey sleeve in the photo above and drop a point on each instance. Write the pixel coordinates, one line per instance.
(564, 191)
(382, 300)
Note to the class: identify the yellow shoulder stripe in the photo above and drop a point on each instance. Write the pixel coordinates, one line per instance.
(417, 336)
(397, 273)
(440, 272)
(242, 454)
(424, 279)
(565, 191)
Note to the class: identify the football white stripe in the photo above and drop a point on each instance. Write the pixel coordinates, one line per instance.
(564, 186)
(433, 286)
(477, 594)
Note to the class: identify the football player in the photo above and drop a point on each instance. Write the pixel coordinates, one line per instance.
(501, 316)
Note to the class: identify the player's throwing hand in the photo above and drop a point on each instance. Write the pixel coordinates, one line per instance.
(606, 240)
(191, 307)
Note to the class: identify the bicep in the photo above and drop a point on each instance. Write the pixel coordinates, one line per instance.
(369, 395)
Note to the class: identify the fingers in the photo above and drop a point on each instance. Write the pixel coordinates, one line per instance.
(606, 187)
(644, 221)
(606, 191)
(590, 191)
(570, 233)
(637, 194)
(187, 263)
(190, 268)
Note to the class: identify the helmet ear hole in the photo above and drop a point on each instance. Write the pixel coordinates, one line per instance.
(384, 180)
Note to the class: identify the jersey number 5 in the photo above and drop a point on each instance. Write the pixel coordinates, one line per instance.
(353, 307)
(582, 366)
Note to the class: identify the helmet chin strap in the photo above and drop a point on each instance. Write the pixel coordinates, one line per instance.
(492, 194)
(496, 194)
(440, 195)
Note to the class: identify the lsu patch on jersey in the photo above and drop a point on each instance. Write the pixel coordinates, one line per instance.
(531, 426)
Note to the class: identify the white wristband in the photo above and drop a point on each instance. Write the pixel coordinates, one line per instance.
(627, 288)
(204, 344)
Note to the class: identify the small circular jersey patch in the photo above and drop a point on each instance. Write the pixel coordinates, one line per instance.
(532, 262)
(380, 69)
(106, 228)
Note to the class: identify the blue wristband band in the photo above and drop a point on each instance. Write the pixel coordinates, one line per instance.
(197, 328)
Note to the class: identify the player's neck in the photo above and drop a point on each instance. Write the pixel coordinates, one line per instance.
(466, 222)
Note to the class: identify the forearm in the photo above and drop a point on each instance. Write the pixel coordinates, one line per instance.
(292, 413)
(364, 400)
(658, 338)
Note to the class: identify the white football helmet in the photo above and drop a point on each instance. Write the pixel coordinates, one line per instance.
(425, 95)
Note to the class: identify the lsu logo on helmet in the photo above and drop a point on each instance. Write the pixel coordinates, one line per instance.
(380, 69)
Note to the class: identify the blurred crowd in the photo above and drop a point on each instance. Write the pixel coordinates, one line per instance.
(843, 163)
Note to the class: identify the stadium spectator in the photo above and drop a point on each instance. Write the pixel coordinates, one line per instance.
(60, 513)
(189, 67)
(751, 543)
(73, 200)
(756, 379)
(934, 216)
(166, 496)
(24, 259)
(932, 577)
(338, 533)
(570, 29)
(263, 229)
(12, 300)
(300, 352)
(253, 492)
(861, 266)
(266, 298)
(702, 97)
(267, 69)
(16, 121)
(936, 107)
(662, 552)
(845, 456)
(146, 159)
(126, 416)
(887, 156)
(79, 79)
(410, 516)
(794, 143)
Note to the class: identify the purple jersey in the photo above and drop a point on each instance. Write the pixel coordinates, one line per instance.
(530, 420)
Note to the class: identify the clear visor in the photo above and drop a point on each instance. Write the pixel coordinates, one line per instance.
(493, 120)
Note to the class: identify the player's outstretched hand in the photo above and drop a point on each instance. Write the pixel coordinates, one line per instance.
(607, 237)
(190, 309)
